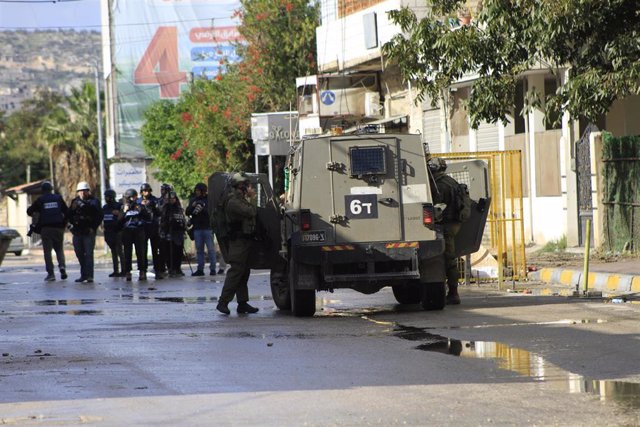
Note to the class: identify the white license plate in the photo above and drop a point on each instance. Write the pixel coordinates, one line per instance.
(313, 237)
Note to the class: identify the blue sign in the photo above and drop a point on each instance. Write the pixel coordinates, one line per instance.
(327, 97)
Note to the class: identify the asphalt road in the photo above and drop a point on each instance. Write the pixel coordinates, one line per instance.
(157, 353)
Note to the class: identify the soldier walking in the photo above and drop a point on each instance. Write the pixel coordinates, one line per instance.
(52, 213)
(240, 210)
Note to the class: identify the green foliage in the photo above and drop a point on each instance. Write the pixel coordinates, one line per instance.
(558, 245)
(20, 143)
(621, 197)
(598, 40)
(208, 128)
(280, 46)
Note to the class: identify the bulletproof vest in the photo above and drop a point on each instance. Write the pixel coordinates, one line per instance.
(151, 208)
(110, 220)
(133, 219)
(51, 213)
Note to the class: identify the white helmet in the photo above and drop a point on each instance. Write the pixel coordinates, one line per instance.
(83, 185)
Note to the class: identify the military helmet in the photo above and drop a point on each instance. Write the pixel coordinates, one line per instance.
(437, 164)
(110, 193)
(239, 178)
(145, 187)
(165, 188)
(46, 187)
(83, 185)
(130, 193)
(201, 186)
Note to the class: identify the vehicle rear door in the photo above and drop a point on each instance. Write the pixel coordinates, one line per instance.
(365, 189)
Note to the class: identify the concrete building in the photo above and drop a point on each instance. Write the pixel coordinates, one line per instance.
(557, 179)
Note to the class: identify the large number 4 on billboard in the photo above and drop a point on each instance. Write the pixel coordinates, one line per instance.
(160, 64)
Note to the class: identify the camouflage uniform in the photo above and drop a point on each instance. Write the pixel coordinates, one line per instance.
(446, 193)
(241, 216)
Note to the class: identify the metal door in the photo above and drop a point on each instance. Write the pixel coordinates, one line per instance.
(365, 189)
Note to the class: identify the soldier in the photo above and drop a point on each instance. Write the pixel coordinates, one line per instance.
(52, 213)
(112, 232)
(445, 191)
(240, 210)
(132, 220)
(173, 225)
(85, 217)
(152, 225)
(198, 210)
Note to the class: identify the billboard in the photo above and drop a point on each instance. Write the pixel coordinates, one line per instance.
(158, 46)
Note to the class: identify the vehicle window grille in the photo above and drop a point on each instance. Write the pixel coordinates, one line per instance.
(368, 161)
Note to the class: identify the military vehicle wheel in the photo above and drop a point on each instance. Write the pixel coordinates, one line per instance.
(280, 291)
(407, 293)
(434, 296)
(303, 301)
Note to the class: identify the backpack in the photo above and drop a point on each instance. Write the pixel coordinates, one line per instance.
(461, 203)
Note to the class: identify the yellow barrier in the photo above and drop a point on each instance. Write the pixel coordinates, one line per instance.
(505, 231)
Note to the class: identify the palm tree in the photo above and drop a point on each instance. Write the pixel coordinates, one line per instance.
(70, 133)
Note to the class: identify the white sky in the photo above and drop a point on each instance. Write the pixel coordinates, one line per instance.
(81, 14)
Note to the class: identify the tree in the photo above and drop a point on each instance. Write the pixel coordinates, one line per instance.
(69, 131)
(208, 128)
(280, 46)
(596, 40)
(163, 136)
(19, 142)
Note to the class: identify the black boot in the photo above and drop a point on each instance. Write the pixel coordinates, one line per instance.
(245, 308)
(452, 297)
(223, 308)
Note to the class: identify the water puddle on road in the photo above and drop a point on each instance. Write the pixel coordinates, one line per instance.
(524, 363)
(74, 312)
(66, 302)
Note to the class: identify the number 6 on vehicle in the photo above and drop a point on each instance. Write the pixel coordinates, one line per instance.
(361, 206)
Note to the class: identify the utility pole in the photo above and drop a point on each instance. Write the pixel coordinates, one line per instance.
(100, 144)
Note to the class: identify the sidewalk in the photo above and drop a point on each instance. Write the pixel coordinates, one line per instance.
(617, 277)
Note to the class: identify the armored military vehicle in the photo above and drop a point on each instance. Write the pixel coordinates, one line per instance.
(358, 213)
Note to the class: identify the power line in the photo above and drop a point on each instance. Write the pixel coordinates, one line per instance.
(101, 26)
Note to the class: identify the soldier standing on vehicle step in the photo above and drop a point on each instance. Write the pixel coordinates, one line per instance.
(445, 191)
(240, 210)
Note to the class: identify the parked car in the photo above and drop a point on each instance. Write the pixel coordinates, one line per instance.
(17, 243)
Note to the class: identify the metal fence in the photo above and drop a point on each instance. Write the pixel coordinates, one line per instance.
(504, 234)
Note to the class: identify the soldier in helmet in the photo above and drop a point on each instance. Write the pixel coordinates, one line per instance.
(152, 226)
(51, 211)
(132, 220)
(112, 232)
(240, 210)
(198, 211)
(85, 216)
(444, 190)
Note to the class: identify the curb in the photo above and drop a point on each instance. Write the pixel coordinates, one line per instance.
(604, 282)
